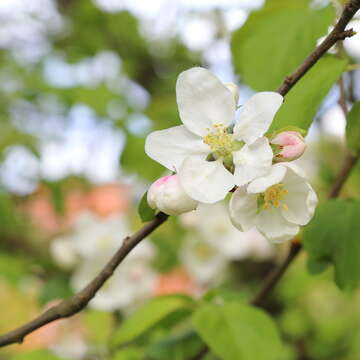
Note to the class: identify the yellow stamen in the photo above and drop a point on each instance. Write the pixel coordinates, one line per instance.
(219, 140)
(274, 195)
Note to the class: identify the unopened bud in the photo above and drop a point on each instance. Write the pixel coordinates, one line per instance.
(234, 90)
(167, 195)
(289, 145)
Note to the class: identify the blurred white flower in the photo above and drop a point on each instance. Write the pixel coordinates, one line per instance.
(72, 346)
(276, 204)
(133, 282)
(167, 195)
(212, 223)
(63, 251)
(202, 260)
(93, 242)
(209, 158)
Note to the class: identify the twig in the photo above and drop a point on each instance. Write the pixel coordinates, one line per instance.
(342, 97)
(79, 301)
(338, 33)
(348, 165)
(276, 275)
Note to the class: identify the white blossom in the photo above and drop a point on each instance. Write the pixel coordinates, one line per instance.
(212, 223)
(202, 260)
(209, 156)
(276, 204)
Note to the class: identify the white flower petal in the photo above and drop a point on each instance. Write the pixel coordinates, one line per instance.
(171, 146)
(275, 176)
(243, 208)
(256, 116)
(205, 181)
(203, 100)
(301, 200)
(252, 161)
(274, 227)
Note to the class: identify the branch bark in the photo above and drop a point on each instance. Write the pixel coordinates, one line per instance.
(338, 33)
(80, 300)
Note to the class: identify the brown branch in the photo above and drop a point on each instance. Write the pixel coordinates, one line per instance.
(79, 301)
(338, 33)
(342, 98)
(276, 275)
(348, 164)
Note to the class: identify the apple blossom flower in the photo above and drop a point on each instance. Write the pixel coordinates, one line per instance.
(276, 204)
(167, 195)
(209, 155)
(290, 144)
(234, 90)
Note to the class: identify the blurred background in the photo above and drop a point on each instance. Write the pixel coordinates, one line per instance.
(81, 85)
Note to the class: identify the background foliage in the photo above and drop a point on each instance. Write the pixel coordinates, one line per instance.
(82, 83)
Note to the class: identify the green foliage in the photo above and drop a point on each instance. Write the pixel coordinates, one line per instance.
(145, 211)
(99, 325)
(353, 128)
(128, 354)
(332, 238)
(36, 355)
(305, 98)
(12, 267)
(276, 39)
(135, 160)
(176, 347)
(56, 287)
(234, 330)
(149, 315)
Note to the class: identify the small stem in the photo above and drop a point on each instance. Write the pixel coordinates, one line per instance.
(276, 275)
(348, 164)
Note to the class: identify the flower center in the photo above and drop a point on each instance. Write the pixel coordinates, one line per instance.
(220, 141)
(274, 196)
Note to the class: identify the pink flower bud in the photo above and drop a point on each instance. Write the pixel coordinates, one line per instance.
(291, 146)
(234, 90)
(167, 195)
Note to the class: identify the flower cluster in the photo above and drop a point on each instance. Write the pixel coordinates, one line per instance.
(89, 247)
(213, 153)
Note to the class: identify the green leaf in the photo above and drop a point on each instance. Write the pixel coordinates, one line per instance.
(353, 128)
(332, 238)
(128, 354)
(145, 211)
(234, 330)
(179, 347)
(305, 98)
(275, 40)
(36, 355)
(149, 315)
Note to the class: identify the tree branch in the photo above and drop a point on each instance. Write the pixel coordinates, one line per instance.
(338, 33)
(79, 301)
